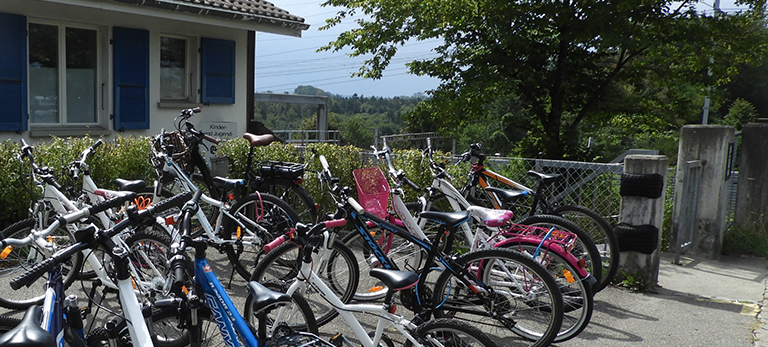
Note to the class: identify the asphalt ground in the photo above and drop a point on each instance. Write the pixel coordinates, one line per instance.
(697, 303)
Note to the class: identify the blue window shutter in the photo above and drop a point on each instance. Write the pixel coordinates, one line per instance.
(13, 73)
(131, 71)
(217, 71)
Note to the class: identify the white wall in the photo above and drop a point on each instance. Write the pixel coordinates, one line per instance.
(178, 24)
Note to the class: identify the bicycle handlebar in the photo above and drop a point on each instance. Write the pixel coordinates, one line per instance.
(29, 277)
(302, 230)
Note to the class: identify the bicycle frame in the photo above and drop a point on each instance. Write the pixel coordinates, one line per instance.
(172, 168)
(308, 277)
(231, 323)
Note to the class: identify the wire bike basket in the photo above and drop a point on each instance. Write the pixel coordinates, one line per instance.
(180, 151)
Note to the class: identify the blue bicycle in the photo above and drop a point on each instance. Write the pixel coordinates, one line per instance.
(201, 313)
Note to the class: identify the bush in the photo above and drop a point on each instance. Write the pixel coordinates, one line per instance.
(125, 157)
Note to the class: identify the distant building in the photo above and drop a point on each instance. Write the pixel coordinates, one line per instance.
(72, 67)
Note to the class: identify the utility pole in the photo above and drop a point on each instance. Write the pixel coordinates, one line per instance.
(705, 108)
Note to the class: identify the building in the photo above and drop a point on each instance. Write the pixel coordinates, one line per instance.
(108, 67)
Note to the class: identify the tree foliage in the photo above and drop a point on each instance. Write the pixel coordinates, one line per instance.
(356, 117)
(565, 64)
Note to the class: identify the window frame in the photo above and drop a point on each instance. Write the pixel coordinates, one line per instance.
(188, 80)
(64, 128)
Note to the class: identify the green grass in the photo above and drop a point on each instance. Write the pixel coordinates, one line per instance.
(749, 239)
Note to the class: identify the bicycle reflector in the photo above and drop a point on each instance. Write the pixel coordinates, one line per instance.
(4, 254)
(568, 276)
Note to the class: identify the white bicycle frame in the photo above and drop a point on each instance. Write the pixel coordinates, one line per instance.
(250, 238)
(308, 277)
(140, 336)
(62, 205)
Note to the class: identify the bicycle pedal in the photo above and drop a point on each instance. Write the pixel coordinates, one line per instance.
(338, 340)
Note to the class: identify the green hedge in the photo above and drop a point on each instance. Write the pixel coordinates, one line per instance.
(125, 157)
(128, 158)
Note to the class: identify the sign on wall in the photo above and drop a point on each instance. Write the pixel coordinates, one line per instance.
(221, 130)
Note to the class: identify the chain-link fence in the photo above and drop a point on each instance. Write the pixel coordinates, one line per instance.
(592, 185)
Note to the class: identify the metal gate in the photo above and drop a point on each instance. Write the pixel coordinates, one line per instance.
(687, 221)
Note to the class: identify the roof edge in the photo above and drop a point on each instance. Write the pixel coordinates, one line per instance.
(179, 6)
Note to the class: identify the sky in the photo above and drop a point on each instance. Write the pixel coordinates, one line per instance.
(283, 62)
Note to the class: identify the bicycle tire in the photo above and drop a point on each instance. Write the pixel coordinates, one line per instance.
(450, 332)
(584, 247)
(400, 251)
(22, 258)
(149, 250)
(282, 265)
(295, 196)
(266, 210)
(7, 323)
(165, 331)
(299, 306)
(578, 301)
(602, 235)
(528, 304)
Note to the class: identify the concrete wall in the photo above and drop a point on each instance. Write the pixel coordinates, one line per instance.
(161, 115)
(708, 143)
(752, 198)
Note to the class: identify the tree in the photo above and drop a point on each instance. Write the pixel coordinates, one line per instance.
(565, 61)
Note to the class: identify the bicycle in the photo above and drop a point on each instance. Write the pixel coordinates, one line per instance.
(189, 317)
(281, 179)
(481, 189)
(553, 247)
(438, 332)
(241, 226)
(54, 202)
(64, 321)
(504, 277)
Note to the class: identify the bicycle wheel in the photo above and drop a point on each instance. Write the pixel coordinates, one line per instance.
(297, 316)
(450, 332)
(602, 235)
(525, 300)
(149, 252)
(22, 258)
(265, 217)
(584, 247)
(341, 275)
(578, 302)
(404, 254)
(295, 196)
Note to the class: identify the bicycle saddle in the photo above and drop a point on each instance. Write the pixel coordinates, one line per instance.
(507, 194)
(259, 140)
(491, 217)
(450, 219)
(264, 297)
(28, 333)
(395, 279)
(134, 186)
(228, 183)
(544, 178)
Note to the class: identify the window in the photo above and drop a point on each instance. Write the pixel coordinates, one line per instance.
(174, 69)
(63, 75)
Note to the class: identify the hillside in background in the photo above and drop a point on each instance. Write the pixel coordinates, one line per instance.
(355, 116)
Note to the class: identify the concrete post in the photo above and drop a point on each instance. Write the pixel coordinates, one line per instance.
(709, 144)
(752, 198)
(638, 210)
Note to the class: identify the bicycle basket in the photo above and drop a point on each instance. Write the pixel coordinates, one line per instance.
(180, 155)
(372, 190)
(281, 170)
